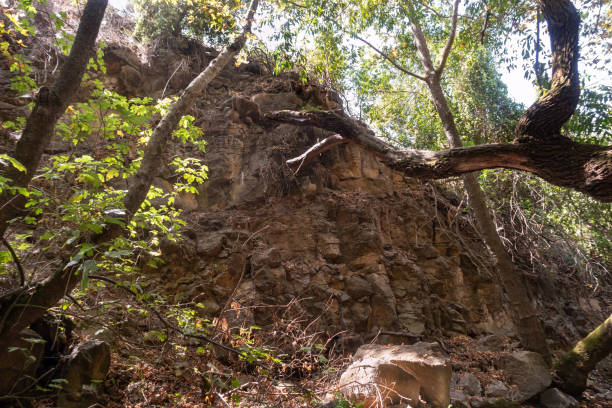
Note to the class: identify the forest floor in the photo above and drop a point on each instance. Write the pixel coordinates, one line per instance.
(297, 365)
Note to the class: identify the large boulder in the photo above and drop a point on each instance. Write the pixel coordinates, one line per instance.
(86, 366)
(388, 375)
(527, 371)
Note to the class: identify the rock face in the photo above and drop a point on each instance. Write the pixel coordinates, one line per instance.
(369, 248)
(388, 375)
(346, 229)
(87, 365)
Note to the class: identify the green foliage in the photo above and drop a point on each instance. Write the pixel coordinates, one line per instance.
(483, 111)
(107, 133)
(253, 350)
(342, 402)
(12, 41)
(197, 19)
(592, 121)
(98, 180)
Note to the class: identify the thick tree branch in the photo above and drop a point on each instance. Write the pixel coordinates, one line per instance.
(450, 41)
(586, 168)
(574, 367)
(50, 105)
(544, 119)
(421, 44)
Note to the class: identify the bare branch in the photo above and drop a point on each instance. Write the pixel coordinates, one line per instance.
(388, 58)
(166, 324)
(420, 42)
(16, 260)
(317, 149)
(451, 39)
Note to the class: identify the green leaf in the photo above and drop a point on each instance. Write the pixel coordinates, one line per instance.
(14, 162)
(88, 266)
(118, 253)
(47, 235)
(5, 257)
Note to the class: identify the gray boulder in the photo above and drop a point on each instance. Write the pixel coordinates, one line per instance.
(470, 384)
(459, 399)
(497, 389)
(527, 371)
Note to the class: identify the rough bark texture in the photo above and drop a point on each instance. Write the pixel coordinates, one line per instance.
(50, 105)
(543, 120)
(560, 161)
(20, 307)
(574, 367)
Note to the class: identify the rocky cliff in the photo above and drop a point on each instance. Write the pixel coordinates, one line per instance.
(363, 247)
(364, 252)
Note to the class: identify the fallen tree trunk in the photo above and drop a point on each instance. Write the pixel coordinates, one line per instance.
(574, 367)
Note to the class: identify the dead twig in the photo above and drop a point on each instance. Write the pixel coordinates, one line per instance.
(16, 260)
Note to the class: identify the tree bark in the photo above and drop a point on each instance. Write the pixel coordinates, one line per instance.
(560, 161)
(49, 107)
(543, 119)
(574, 367)
(22, 306)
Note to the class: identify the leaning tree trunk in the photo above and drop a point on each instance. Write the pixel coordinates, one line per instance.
(574, 367)
(522, 310)
(49, 107)
(22, 306)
